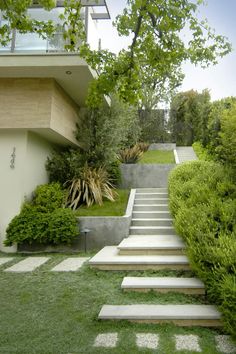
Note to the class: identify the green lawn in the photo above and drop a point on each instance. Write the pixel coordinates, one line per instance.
(46, 312)
(108, 208)
(157, 156)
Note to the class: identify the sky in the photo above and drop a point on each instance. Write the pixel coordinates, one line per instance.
(219, 79)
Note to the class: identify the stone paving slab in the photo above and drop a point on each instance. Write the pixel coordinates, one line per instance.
(224, 344)
(187, 342)
(147, 340)
(161, 282)
(106, 340)
(110, 255)
(153, 242)
(5, 260)
(28, 264)
(70, 264)
(142, 312)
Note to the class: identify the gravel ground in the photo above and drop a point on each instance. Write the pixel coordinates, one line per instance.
(187, 342)
(224, 344)
(107, 340)
(147, 340)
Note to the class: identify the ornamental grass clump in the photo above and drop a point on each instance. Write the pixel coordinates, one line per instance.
(130, 155)
(92, 186)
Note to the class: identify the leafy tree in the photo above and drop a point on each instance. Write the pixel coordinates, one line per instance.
(103, 132)
(189, 117)
(156, 27)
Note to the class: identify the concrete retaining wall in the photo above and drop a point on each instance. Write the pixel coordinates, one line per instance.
(105, 230)
(145, 175)
(162, 146)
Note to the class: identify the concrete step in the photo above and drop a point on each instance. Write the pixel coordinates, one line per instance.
(163, 285)
(150, 196)
(155, 214)
(150, 201)
(151, 230)
(152, 245)
(109, 259)
(152, 222)
(153, 207)
(151, 190)
(181, 315)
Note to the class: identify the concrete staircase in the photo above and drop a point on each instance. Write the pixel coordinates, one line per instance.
(185, 153)
(153, 245)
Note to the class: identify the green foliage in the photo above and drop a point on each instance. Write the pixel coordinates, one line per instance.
(43, 220)
(92, 186)
(62, 226)
(64, 165)
(214, 122)
(202, 152)
(153, 125)
(156, 44)
(103, 132)
(203, 202)
(227, 137)
(189, 117)
(130, 155)
(48, 197)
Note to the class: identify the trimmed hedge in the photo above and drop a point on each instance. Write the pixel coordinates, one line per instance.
(203, 203)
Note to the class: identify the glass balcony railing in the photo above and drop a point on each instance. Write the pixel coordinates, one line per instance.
(31, 42)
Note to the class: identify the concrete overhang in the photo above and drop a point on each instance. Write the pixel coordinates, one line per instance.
(70, 71)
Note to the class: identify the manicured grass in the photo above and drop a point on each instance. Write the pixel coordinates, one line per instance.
(157, 156)
(108, 208)
(47, 312)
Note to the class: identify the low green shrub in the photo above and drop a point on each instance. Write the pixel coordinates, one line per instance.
(203, 203)
(48, 197)
(201, 152)
(43, 220)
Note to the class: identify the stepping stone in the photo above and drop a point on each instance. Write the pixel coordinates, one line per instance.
(70, 264)
(159, 245)
(187, 342)
(5, 260)
(182, 315)
(27, 265)
(109, 259)
(147, 340)
(163, 284)
(106, 340)
(224, 344)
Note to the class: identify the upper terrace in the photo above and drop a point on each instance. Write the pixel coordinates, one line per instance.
(30, 56)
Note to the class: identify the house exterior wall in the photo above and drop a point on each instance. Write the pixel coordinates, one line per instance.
(37, 104)
(20, 174)
(64, 113)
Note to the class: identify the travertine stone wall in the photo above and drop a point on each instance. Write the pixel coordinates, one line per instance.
(37, 104)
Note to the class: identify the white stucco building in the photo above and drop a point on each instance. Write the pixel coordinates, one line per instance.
(42, 89)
